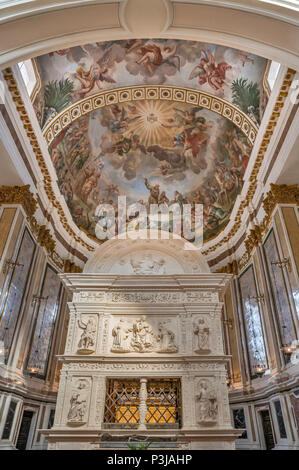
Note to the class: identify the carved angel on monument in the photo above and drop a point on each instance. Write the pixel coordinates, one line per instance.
(166, 339)
(86, 343)
(203, 337)
(207, 403)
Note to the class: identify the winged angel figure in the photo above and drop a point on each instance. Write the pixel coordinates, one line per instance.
(98, 73)
(152, 56)
(209, 72)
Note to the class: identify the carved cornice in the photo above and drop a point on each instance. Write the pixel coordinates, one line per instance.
(22, 195)
(283, 93)
(19, 195)
(278, 194)
(16, 96)
(229, 268)
(70, 267)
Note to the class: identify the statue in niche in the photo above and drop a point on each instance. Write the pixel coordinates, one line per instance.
(143, 337)
(207, 403)
(147, 263)
(120, 336)
(166, 339)
(86, 343)
(77, 409)
(203, 337)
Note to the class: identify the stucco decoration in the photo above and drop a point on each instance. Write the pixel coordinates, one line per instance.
(147, 256)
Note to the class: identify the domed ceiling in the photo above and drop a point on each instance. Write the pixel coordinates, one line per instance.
(155, 120)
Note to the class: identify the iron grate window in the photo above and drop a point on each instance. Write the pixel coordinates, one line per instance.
(163, 402)
(122, 402)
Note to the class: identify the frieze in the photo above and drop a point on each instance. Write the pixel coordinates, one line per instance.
(173, 366)
(150, 297)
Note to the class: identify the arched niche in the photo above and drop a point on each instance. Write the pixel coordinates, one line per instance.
(147, 256)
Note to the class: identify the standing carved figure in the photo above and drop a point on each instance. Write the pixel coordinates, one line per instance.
(119, 338)
(166, 339)
(87, 341)
(203, 337)
(207, 403)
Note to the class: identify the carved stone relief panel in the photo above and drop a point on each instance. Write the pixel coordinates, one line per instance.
(87, 333)
(71, 331)
(146, 262)
(100, 400)
(105, 333)
(224, 412)
(201, 335)
(188, 400)
(206, 401)
(60, 397)
(144, 334)
(77, 414)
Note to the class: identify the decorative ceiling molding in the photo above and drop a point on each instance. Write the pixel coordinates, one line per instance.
(267, 28)
(47, 181)
(138, 93)
(21, 195)
(278, 194)
(229, 268)
(12, 85)
(253, 182)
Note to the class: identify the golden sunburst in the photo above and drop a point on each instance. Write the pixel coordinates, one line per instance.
(151, 124)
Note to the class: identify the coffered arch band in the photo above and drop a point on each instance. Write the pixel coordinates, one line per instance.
(137, 93)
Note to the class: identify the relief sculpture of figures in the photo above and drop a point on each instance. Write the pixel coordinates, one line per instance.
(86, 343)
(166, 339)
(147, 263)
(203, 337)
(78, 402)
(207, 403)
(77, 409)
(119, 338)
(143, 337)
(140, 336)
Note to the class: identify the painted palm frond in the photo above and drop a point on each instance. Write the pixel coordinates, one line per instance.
(246, 96)
(58, 95)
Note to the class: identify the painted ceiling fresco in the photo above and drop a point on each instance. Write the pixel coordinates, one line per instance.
(147, 149)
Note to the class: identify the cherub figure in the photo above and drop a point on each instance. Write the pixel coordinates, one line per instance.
(86, 79)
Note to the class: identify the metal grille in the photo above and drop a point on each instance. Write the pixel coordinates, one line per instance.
(163, 401)
(122, 401)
